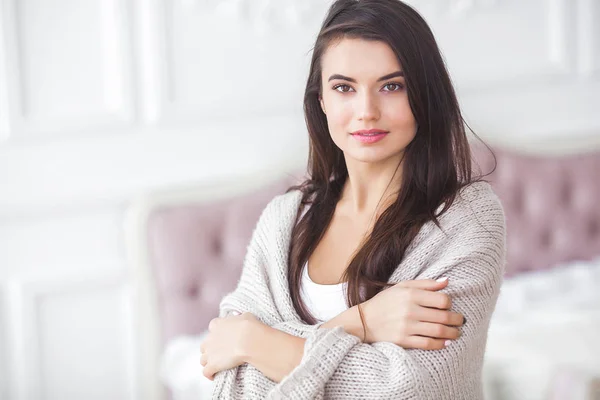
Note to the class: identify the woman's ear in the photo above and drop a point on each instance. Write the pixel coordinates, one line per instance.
(322, 104)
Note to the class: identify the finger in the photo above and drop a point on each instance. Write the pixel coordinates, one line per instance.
(425, 343)
(449, 318)
(437, 331)
(208, 373)
(213, 323)
(426, 298)
(425, 284)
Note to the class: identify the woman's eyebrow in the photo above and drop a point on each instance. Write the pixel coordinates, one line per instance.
(383, 78)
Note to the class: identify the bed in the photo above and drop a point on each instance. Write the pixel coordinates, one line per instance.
(186, 248)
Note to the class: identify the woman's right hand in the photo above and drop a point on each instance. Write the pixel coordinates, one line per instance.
(412, 314)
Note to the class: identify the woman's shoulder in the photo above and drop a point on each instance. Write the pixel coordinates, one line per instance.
(476, 198)
(277, 216)
(288, 201)
(474, 225)
(282, 207)
(478, 190)
(476, 208)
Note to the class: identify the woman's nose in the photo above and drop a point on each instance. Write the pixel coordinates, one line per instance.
(367, 107)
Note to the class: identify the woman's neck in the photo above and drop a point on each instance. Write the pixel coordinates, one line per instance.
(370, 187)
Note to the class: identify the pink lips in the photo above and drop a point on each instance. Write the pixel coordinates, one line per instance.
(369, 136)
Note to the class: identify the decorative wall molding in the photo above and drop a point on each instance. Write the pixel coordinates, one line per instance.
(4, 79)
(118, 101)
(25, 298)
(538, 52)
(285, 13)
(167, 157)
(155, 67)
(159, 81)
(264, 15)
(10, 99)
(562, 34)
(588, 37)
(4, 367)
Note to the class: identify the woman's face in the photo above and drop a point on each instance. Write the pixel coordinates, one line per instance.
(363, 89)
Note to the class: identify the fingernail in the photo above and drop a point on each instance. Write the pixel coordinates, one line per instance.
(444, 279)
(447, 343)
(235, 312)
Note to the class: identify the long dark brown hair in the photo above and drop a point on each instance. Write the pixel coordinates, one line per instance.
(436, 164)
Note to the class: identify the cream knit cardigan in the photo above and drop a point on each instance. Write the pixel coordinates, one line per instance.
(470, 251)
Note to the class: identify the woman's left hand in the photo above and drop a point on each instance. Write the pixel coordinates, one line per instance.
(225, 346)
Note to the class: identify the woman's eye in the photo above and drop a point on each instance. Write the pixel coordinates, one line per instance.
(343, 87)
(390, 87)
(393, 87)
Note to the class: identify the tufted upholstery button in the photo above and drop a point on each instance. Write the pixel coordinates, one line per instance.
(218, 244)
(566, 194)
(516, 200)
(545, 236)
(193, 291)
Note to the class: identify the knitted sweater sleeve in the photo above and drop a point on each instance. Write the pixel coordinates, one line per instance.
(336, 365)
(252, 292)
(252, 295)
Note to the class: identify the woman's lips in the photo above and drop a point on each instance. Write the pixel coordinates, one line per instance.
(369, 137)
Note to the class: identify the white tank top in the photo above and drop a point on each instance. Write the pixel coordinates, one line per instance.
(323, 301)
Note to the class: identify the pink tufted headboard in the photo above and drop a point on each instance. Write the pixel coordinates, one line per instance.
(552, 206)
(196, 254)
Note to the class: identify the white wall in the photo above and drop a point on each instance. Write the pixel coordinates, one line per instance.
(102, 100)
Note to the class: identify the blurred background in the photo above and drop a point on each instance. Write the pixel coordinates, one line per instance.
(113, 109)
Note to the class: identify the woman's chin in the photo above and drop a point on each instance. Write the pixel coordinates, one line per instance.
(370, 156)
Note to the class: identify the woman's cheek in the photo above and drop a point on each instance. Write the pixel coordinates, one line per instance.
(342, 118)
(337, 122)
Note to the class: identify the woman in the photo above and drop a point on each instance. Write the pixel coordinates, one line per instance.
(377, 277)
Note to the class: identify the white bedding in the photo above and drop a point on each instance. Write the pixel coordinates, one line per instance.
(181, 371)
(544, 335)
(545, 332)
